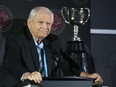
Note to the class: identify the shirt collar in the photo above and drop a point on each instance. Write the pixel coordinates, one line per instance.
(39, 45)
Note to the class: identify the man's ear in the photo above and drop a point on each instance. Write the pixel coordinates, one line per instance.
(29, 22)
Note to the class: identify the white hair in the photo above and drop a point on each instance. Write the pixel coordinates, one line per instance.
(35, 11)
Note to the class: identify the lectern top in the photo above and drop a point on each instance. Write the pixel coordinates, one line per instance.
(68, 78)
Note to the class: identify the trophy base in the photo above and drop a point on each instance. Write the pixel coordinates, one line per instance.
(75, 46)
(77, 52)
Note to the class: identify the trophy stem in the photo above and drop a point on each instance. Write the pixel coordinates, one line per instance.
(76, 38)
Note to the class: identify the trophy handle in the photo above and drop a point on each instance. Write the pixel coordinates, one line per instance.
(65, 14)
(88, 10)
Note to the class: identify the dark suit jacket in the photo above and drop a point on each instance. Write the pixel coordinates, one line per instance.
(21, 54)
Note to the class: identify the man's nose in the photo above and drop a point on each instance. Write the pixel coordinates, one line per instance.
(44, 25)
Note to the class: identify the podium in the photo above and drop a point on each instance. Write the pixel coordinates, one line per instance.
(62, 82)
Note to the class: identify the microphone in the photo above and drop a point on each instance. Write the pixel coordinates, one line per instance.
(62, 54)
(57, 70)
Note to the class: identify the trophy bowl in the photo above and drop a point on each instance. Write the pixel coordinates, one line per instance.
(75, 16)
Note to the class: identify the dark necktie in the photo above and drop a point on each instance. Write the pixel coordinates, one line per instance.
(41, 68)
(42, 61)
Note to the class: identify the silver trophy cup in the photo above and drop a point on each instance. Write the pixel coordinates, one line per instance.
(75, 17)
(76, 48)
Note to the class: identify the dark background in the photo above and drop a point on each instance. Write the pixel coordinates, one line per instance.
(102, 45)
(20, 10)
(103, 48)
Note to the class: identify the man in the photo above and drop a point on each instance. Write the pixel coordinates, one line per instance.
(23, 50)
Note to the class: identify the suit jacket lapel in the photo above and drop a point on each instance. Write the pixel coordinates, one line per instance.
(33, 52)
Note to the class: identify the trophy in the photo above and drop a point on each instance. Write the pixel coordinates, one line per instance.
(76, 48)
(75, 17)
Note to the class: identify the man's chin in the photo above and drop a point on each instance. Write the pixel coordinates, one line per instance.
(44, 35)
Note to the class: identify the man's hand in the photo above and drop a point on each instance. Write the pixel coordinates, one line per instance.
(34, 76)
(96, 76)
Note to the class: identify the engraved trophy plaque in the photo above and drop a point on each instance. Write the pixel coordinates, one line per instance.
(76, 48)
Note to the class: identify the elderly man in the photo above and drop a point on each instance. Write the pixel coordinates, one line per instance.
(23, 50)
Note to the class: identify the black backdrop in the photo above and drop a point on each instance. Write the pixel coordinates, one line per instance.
(20, 10)
(103, 39)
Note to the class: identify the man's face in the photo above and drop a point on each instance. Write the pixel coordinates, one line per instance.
(40, 25)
